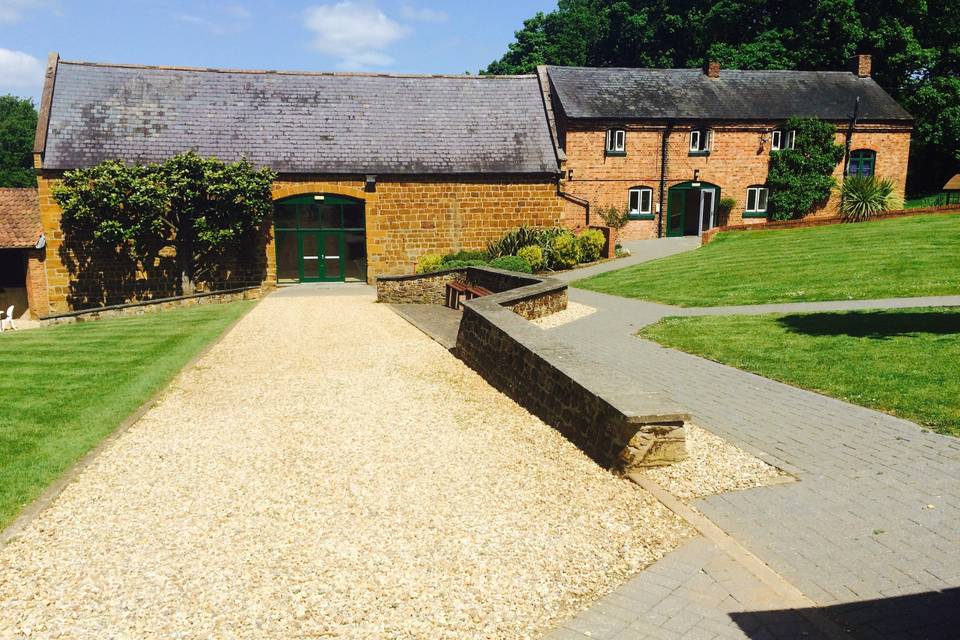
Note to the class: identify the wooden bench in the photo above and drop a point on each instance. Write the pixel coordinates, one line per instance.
(456, 290)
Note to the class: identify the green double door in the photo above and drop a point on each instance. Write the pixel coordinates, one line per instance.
(691, 208)
(320, 238)
(321, 256)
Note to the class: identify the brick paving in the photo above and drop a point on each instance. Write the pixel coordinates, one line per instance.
(876, 514)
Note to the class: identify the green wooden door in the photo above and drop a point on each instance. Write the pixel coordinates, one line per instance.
(676, 205)
(320, 238)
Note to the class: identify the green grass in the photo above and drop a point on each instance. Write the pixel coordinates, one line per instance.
(65, 388)
(899, 257)
(900, 361)
(932, 200)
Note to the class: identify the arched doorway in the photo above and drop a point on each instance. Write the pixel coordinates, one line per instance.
(320, 237)
(691, 208)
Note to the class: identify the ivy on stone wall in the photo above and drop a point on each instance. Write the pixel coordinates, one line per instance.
(201, 206)
(802, 178)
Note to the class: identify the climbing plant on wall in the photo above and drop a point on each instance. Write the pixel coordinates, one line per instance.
(802, 178)
(201, 206)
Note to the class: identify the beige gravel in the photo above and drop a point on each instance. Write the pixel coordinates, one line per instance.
(713, 466)
(574, 311)
(329, 471)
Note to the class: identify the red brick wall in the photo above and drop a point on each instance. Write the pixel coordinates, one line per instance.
(737, 160)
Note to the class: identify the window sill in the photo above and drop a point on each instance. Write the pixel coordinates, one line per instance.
(698, 153)
(615, 154)
(755, 214)
(641, 216)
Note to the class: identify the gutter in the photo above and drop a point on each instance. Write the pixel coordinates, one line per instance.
(576, 200)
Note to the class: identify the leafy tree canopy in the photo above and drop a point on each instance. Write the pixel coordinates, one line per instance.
(202, 206)
(915, 46)
(18, 124)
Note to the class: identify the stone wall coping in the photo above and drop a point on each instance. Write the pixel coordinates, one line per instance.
(418, 276)
(147, 303)
(591, 374)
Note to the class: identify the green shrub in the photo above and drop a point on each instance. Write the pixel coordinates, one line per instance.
(614, 217)
(591, 243)
(564, 251)
(430, 262)
(801, 178)
(724, 207)
(513, 241)
(863, 197)
(533, 254)
(460, 256)
(511, 263)
(462, 264)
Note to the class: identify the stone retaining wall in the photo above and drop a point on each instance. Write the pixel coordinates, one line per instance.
(577, 396)
(420, 288)
(151, 306)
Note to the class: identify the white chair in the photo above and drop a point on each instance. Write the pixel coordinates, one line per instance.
(7, 319)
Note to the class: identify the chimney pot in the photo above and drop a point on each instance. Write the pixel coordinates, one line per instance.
(711, 68)
(861, 65)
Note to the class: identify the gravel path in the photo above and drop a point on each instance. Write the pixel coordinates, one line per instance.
(329, 471)
(574, 311)
(713, 466)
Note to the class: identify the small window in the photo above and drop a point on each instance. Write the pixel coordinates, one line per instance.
(782, 139)
(862, 162)
(616, 142)
(701, 141)
(756, 202)
(640, 202)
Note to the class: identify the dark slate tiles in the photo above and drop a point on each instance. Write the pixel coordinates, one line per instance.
(300, 123)
(625, 93)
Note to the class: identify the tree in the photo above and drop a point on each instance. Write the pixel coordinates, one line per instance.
(18, 124)
(201, 206)
(800, 178)
(915, 47)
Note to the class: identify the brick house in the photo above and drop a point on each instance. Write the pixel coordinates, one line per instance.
(22, 278)
(667, 144)
(374, 169)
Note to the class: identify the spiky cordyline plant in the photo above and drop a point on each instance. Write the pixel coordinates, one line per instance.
(863, 197)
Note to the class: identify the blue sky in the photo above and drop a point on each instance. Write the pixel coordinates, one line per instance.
(419, 36)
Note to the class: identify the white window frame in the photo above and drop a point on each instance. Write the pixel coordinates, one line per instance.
(700, 137)
(640, 192)
(783, 139)
(616, 141)
(757, 192)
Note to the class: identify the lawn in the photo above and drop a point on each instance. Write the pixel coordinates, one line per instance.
(67, 387)
(899, 257)
(900, 361)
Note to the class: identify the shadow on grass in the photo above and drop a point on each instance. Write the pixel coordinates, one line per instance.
(934, 615)
(874, 324)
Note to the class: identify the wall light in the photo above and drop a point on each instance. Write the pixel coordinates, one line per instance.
(370, 185)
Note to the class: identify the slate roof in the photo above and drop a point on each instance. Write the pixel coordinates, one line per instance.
(299, 122)
(19, 218)
(657, 94)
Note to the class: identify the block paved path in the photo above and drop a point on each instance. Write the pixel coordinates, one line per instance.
(876, 513)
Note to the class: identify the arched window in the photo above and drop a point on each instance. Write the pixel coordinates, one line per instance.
(640, 203)
(756, 202)
(862, 162)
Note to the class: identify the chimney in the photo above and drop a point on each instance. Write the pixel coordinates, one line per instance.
(711, 69)
(861, 65)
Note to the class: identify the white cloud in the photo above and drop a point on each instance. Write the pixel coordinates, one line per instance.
(19, 69)
(226, 19)
(355, 33)
(12, 11)
(423, 14)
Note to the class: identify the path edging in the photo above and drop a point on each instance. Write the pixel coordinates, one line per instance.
(49, 495)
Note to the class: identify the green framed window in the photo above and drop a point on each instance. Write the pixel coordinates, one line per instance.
(640, 203)
(863, 162)
(616, 143)
(756, 202)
